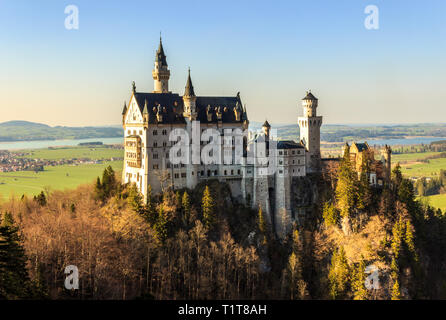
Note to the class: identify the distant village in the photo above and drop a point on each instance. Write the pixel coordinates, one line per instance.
(18, 161)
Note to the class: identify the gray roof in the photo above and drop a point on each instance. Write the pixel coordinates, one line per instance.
(361, 146)
(171, 107)
(189, 91)
(288, 144)
(309, 96)
(266, 124)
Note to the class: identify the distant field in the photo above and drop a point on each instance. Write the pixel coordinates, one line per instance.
(437, 201)
(411, 156)
(94, 153)
(411, 168)
(57, 178)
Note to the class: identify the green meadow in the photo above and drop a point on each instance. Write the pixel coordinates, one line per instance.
(58, 177)
(94, 153)
(436, 201)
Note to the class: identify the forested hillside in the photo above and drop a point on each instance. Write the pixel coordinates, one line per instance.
(201, 244)
(31, 131)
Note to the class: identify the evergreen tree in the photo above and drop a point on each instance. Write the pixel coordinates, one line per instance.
(207, 205)
(98, 191)
(338, 275)
(358, 282)
(186, 206)
(161, 225)
(41, 199)
(396, 292)
(330, 214)
(14, 280)
(134, 198)
(108, 182)
(346, 186)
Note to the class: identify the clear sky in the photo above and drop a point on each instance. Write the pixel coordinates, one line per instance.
(270, 51)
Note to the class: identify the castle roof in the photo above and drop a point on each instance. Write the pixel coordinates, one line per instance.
(170, 106)
(361, 146)
(288, 144)
(266, 124)
(309, 96)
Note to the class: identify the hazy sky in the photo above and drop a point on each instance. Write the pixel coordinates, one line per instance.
(270, 51)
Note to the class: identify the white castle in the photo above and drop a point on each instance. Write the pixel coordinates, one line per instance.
(150, 118)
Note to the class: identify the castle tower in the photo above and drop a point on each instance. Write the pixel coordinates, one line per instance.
(266, 128)
(310, 132)
(190, 115)
(160, 74)
(189, 100)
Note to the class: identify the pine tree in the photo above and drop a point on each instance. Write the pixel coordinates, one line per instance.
(98, 191)
(14, 280)
(396, 292)
(346, 186)
(41, 199)
(208, 209)
(358, 282)
(108, 182)
(364, 195)
(330, 214)
(186, 206)
(161, 225)
(338, 275)
(134, 198)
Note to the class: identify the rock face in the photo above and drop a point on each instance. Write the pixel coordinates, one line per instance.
(304, 194)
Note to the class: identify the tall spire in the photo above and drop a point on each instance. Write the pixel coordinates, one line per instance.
(160, 73)
(189, 92)
(160, 56)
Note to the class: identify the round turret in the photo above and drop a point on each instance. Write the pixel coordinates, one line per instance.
(309, 103)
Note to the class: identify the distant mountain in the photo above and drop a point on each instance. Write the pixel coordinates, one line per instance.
(29, 131)
(21, 123)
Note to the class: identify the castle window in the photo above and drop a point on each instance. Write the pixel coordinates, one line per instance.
(280, 153)
(183, 175)
(164, 143)
(176, 175)
(280, 171)
(155, 156)
(164, 132)
(209, 173)
(155, 132)
(155, 144)
(238, 172)
(202, 173)
(215, 172)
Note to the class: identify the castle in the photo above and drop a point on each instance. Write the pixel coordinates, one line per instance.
(260, 170)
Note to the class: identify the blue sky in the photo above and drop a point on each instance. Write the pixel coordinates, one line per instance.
(270, 51)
